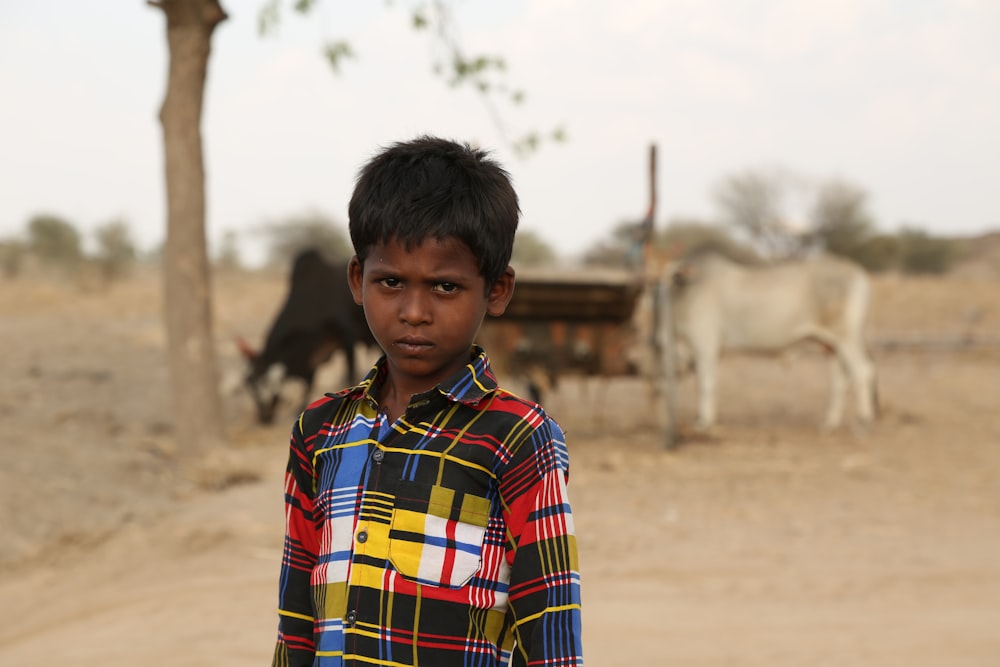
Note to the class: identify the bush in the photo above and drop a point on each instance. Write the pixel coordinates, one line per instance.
(841, 224)
(921, 253)
(311, 230)
(530, 249)
(12, 254)
(618, 251)
(54, 240)
(679, 237)
(877, 254)
(686, 237)
(115, 250)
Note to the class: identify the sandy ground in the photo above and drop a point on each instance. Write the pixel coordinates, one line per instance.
(764, 543)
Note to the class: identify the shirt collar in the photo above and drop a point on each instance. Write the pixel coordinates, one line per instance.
(468, 386)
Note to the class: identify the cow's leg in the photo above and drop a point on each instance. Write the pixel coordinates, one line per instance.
(707, 360)
(862, 374)
(838, 388)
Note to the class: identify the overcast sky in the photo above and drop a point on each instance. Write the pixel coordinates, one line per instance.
(898, 97)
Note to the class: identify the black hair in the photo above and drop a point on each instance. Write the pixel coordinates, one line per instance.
(436, 188)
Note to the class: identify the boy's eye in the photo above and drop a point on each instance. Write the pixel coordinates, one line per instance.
(389, 282)
(447, 288)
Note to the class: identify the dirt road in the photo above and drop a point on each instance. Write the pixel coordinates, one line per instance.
(763, 544)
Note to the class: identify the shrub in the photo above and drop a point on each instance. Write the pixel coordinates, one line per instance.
(878, 253)
(54, 240)
(115, 250)
(530, 249)
(309, 230)
(921, 253)
(12, 254)
(688, 236)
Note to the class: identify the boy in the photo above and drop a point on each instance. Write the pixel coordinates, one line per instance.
(427, 516)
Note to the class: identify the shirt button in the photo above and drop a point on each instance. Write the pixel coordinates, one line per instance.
(378, 456)
(352, 617)
(363, 536)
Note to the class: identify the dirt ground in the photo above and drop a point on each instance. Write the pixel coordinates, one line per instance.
(763, 543)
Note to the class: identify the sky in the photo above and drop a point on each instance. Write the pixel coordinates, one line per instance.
(900, 98)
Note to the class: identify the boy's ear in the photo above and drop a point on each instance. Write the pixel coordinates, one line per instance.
(500, 293)
(355, 278)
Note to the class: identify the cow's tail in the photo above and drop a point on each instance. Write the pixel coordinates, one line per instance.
(876, 401)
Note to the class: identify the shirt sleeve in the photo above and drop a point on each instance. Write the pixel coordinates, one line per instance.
(296, 645)
(544, 596)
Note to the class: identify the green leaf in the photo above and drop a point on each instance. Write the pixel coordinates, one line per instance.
(268, 17)
(336, 53)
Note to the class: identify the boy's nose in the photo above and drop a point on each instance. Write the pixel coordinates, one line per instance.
(415, 308)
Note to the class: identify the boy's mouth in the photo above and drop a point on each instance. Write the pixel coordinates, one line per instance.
(413, 344)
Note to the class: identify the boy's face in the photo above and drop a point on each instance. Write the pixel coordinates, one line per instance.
(425, 306)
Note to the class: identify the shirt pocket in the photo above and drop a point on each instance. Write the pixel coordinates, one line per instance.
(436, 536)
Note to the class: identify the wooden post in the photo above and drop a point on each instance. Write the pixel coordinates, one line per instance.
(663, 333)
(649, 222)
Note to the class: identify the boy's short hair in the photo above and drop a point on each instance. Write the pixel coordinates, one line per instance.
(436, 188)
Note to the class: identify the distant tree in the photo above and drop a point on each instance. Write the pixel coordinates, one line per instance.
(682, 236)
(115, 250)
(621, 247)
(879, 253)
(530, 249)
(54, 240)
(919, 252)
(841, 224)
(617, 250)
(753, 203)
(307, 230)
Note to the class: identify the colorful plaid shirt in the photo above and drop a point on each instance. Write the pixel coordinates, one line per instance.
(445, 538)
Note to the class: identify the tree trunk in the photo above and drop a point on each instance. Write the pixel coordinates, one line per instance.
(197, 407)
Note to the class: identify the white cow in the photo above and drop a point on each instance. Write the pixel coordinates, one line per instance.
(718, 305)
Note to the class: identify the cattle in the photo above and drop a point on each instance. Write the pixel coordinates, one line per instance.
(716, 304)
(318, 318)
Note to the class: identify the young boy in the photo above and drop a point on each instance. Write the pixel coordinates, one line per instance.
(427, 516)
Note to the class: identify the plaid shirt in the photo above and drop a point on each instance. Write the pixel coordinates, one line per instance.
(445, 538)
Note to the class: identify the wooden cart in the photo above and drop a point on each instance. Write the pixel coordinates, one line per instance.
(574, 321)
